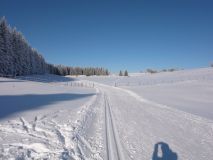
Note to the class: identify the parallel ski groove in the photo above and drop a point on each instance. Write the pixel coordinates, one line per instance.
(106, 124)
(112, 148)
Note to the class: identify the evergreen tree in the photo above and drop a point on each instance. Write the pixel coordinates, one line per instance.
(120, 73)
(125, 73)
(107, 72)
(6, 55)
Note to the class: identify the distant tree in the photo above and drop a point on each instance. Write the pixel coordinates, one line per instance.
(164, 70)
(171, 70)
(126, 73)
(120, 73)
(107, 72)
(151, 71)
(65, 70)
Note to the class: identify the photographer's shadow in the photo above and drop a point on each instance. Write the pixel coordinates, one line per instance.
(163, 152)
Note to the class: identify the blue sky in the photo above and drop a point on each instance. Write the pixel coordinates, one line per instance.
(132, 35)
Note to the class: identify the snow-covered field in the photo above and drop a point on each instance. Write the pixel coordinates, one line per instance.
(144, 116)
(41, 119)
(187, 90)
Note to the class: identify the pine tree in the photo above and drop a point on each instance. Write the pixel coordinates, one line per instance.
(6, 65)
(16, 61)
(125, 73)
(107, 72)
(120, 73)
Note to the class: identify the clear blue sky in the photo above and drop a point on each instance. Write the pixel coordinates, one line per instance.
(133, 35)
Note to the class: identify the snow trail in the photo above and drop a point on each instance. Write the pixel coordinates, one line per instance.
(141, 124)
(113, 146)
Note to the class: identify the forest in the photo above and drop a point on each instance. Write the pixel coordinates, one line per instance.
(18, 58)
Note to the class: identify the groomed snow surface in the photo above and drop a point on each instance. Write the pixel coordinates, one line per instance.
(166, 116)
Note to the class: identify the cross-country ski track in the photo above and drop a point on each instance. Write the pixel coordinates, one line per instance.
(113, 146)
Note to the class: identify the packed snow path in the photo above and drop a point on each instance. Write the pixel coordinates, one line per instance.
(141, 125)
(113, 146)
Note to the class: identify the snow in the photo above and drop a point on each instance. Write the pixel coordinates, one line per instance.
(187, 90)
(41, 119)
(143, 116)
(194, 97)
(167, 109)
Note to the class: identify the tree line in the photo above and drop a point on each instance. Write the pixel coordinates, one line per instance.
(66, 70)
(18, 58)
(158, 71)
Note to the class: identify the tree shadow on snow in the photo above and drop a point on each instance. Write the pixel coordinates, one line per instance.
(10, 104)
(8, 81)
(162, 151)
(46, 78)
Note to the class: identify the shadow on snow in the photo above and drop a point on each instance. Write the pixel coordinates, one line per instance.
(8, 81)
(46, 78)
(162, 151)
(10, 104)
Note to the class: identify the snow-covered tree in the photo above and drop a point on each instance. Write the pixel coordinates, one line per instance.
(6, 54)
